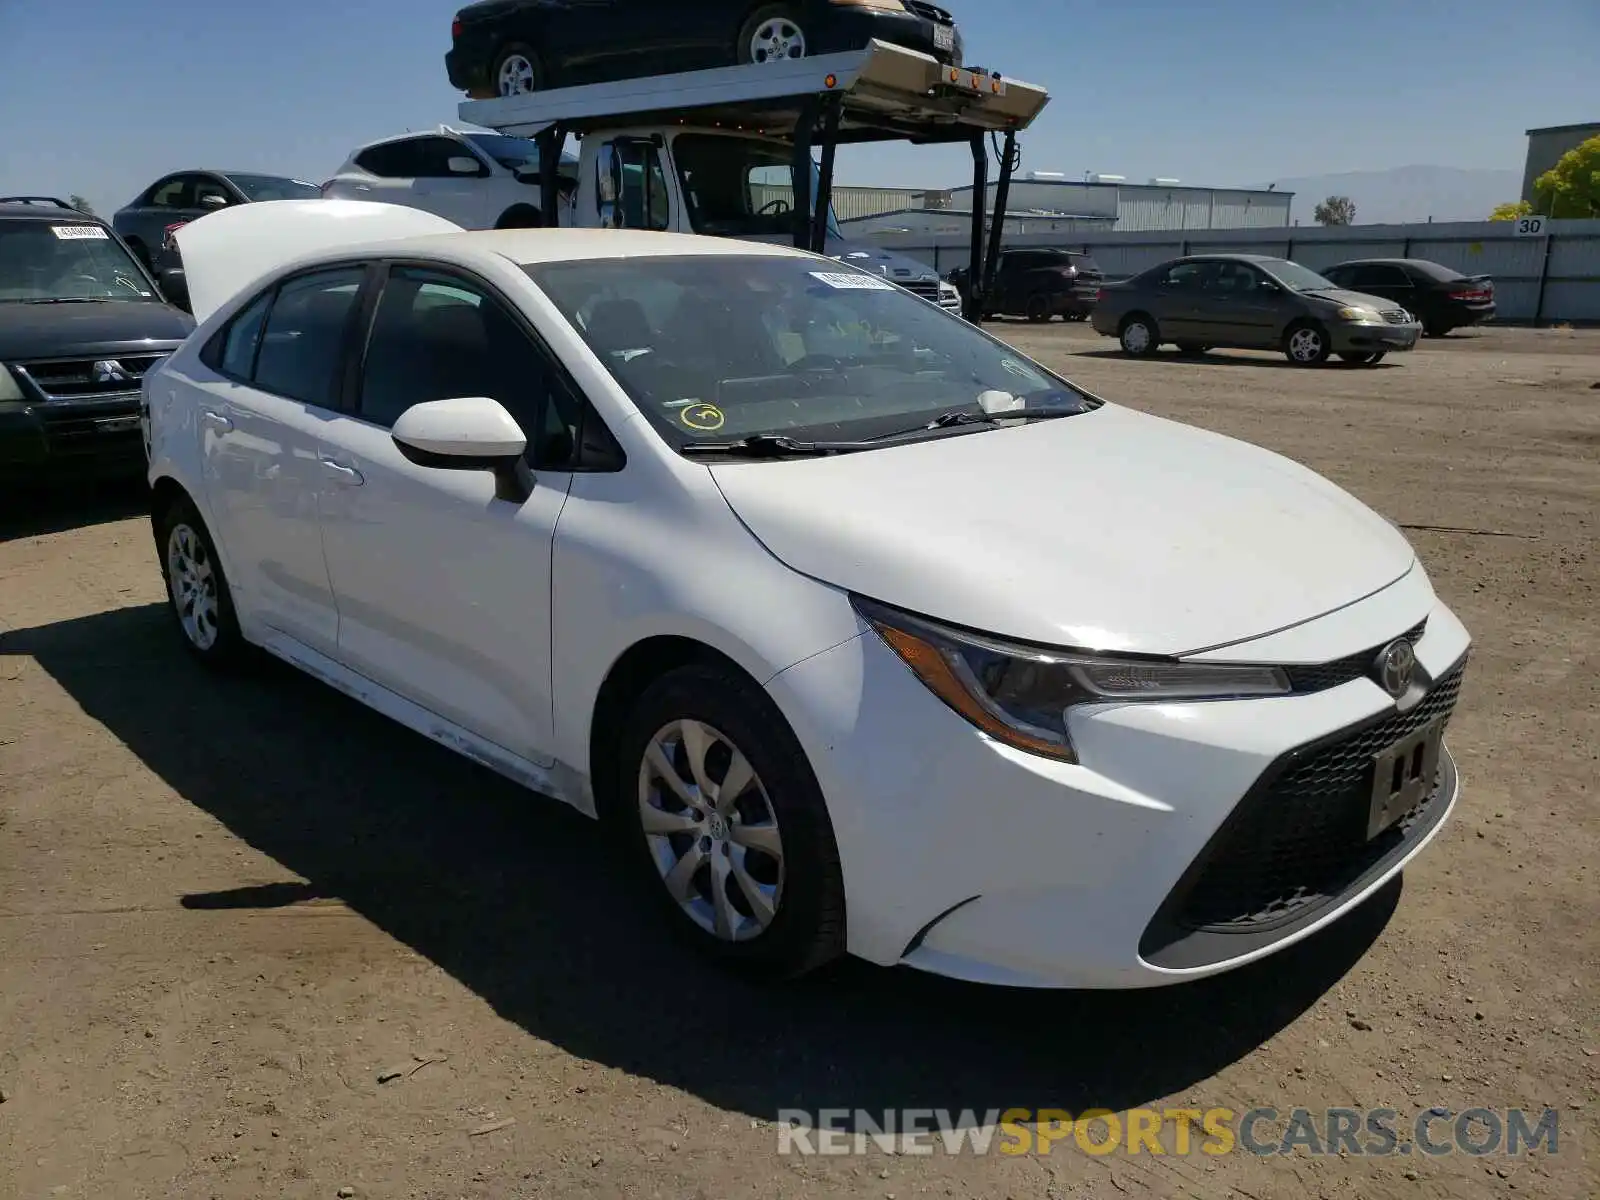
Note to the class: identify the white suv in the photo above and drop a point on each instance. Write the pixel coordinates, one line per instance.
(472, 179)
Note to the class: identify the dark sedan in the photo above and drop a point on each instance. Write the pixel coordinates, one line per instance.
(1442, 299)
(1250, 302)
(512, 47)
(147, 223)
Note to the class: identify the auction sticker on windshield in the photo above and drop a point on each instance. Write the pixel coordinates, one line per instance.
(69, 233)
(853, 280)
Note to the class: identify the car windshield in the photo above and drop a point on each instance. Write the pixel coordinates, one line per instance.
(1297, 278)
(733, 346)
(60, 261)
(275, 187)
(740, 187)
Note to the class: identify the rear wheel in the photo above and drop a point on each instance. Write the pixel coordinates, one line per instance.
(772, 33)
(1364, 360)
(1306, 344)
(517, 71)
(197, 588)
(522, 216)
(1435, 328)
(728, 825)
(1139, 335)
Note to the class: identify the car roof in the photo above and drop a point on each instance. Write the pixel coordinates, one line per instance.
(527, 247)
(47, 212)
(1231, 258)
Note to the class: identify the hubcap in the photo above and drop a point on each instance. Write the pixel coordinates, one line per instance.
(193, 585)
(516, 76)
(776, 40)
(1305, 344)
(1136, 337)
(711, 830)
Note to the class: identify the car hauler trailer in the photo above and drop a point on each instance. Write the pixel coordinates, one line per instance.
(669, 151)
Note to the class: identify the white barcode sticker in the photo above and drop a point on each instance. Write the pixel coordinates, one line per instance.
(69, 233)
(853, 281)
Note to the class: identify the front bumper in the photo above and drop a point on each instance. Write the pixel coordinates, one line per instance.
(1368, 339)
(100, 437)
(847, 28)
(1185, 844)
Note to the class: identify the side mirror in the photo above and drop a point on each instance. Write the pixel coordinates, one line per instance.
(608, 185)
(175, 287)
(462, 164)
(467, 433)
(213, 200)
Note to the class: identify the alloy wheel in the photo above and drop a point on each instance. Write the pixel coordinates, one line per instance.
(711, 830)
(1305, 345)
(1136, 338)
(517, 76)
(777, 39)
(193, 583)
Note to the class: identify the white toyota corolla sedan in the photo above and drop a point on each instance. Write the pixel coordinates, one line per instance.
(867, 633)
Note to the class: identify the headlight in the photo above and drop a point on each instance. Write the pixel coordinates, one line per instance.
(1020, 695)
(1361, 316)
(8, 386)
(949, 297)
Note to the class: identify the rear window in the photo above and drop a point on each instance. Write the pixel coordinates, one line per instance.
(1433, 270)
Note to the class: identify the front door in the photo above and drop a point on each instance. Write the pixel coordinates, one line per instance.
(443, 589)
(1242, 307)
(267, 406)
(456, 196)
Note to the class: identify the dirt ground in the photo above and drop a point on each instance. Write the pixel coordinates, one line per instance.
(229, 907)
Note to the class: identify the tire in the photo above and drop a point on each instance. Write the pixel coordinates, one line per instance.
(1305, 344)
(1038, 310)
(1192, 348)
(799, 924)
(1435, 329)
(520, 216)
(1364, 360)
(193, 574)
(1139, 335)
(517, 71)
(772, 33)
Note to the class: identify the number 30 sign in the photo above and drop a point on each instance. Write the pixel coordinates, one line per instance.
(1530, 226)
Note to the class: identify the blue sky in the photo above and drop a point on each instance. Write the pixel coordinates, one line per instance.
(101, 96)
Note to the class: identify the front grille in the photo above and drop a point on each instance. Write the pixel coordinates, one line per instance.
(88, 378)
(100, 431)
(1396, 316)
(1321, 676)
(926, 288)
(1300, 841)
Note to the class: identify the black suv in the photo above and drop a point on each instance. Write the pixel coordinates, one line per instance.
(81, 321)
(1040, 284)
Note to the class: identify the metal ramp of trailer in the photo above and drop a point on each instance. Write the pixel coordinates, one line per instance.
(880, 93)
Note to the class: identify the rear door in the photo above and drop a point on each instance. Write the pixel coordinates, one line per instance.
(278, 368)
(1175, 300)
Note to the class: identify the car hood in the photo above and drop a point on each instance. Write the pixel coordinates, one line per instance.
(1344, 296)
(64, 330)
(1112, 530)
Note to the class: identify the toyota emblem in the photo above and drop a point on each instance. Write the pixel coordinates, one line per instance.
(1396, 665)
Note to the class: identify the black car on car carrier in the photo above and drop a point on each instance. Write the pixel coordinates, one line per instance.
(81, 321)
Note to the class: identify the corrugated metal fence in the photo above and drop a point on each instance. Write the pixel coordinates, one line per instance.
(1554, 276)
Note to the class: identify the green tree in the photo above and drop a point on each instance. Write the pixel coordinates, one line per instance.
(79, 203)
(1571, 188)
(1335, 210)
(1511, 210)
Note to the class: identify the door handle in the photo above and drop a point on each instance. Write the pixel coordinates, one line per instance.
(216, 420)
(345, 474)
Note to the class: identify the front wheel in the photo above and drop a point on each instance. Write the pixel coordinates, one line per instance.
(1038, 310)
(1306, 345)
(772, 34)
(728, 823)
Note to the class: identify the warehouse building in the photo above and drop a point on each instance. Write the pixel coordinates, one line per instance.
(1547, 145)
(1044, 202)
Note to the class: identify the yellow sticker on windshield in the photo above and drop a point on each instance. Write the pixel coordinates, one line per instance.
(704, 417)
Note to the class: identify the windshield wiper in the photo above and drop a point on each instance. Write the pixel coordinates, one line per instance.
(965, 416)
(68, 300)
(772, 445)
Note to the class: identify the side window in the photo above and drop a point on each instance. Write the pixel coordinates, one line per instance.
(234, 351)
(1339, 275)
(387, 160)
(1183, 276)
(437, 337)
(172, 193)
(302, 346)
(1389, 275)
(430, 157)
(643, 198)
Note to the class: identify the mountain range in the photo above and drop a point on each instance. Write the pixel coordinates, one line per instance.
(1405, 194)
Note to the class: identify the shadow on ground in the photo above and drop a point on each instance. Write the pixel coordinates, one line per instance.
(1227, 358)
(514, 896)
(40, 509)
